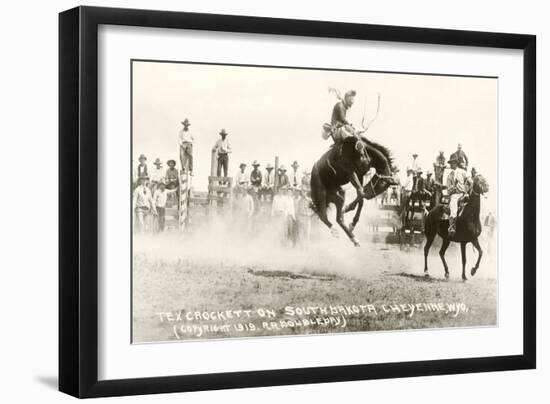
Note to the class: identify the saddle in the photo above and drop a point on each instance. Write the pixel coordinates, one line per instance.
(338, 133)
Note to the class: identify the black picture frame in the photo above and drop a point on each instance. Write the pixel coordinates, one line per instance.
(78, 201)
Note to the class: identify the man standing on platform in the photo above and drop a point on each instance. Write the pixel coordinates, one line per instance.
(185, 142)
(222, 149)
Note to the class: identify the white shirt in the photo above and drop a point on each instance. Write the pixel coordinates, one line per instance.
(409, 183)
(242, 179)
(268, 179)
(157, 174)
(222, 146)
(295, 179)
(455, 181)
(142, 197)
(185, 136)
(159, 198)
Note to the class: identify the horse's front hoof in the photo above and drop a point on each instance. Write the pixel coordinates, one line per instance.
(426, 274)
(446, 275)
(473, 271)
(464, 279)
(355, 242)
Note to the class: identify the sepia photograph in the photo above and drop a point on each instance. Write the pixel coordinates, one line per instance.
(272, 201)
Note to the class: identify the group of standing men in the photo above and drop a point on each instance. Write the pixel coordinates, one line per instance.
(265, 185)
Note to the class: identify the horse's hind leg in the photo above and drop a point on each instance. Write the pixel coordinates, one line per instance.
(319, 199)
(322, 213)
(477, 246)
(429, 241)
(442, 250)
(339, 202)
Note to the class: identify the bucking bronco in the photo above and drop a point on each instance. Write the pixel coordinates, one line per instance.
(344, 163)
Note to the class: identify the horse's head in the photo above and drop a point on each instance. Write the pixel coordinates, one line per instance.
(480, 186)
(377, 185)
(379, 158)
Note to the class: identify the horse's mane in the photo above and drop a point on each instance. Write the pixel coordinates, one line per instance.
(384, 151)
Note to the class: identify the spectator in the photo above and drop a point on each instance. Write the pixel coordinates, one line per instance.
(304, 215)
(222, 149)
(241, 179)
(461, 157)
(256, 176)
(142, 202)
(157, 174)
(142, 167)
(159, 202)
(284, 213)
(268, 182)
(185, 142)
(295, 179)
(306, 181)
(248, 210)
(171, 179)
(283, 177)
(439, 167)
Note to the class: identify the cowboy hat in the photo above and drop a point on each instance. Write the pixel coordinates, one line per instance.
(295, 164)
(255, 163)
(269, 166)
(157, 162)
(223, 132)
(186, 122)
(282, 168)
(350, 93)
(306, 172)
(415, 155)
(171, 162)
(242, 165)
(142, 157)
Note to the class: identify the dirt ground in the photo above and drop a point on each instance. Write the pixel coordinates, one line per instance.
(213, 286)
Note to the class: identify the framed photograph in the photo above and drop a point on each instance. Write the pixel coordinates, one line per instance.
(251, 201)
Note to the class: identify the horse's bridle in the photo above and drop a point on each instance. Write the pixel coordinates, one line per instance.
(379, 177)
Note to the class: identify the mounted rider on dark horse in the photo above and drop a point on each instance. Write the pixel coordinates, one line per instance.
(468, 227)
(348, 160)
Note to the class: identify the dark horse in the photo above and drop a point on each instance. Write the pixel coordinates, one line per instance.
(468, 228)
(349, 163)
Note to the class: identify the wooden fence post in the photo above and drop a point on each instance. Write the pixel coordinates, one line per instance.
(276, 174)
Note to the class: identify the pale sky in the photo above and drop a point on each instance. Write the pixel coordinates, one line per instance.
(272, 112)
